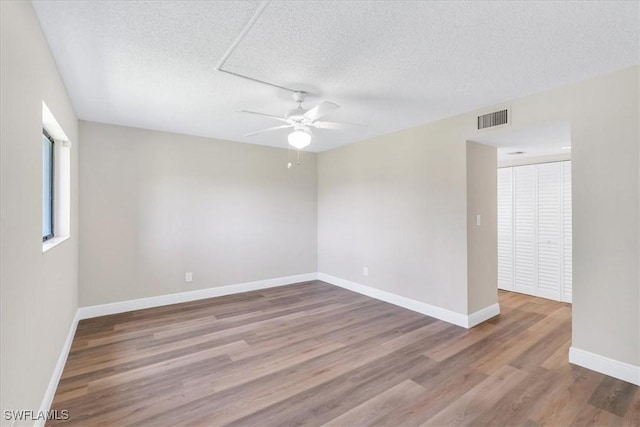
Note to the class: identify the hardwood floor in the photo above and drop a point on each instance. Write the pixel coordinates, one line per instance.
(316, 354)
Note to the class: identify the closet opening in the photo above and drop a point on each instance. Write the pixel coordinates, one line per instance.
(534, 210)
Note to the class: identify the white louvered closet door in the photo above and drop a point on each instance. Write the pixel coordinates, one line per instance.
(549, 229)
(505, 229)
(567, 236)
(524, 182)
(534, 230)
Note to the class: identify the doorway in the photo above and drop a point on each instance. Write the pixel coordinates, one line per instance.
(534, 210)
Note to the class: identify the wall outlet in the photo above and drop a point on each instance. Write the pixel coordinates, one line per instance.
(365, 271)
(188, 276)
(478, 220)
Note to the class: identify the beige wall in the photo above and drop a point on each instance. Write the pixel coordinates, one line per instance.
(605, 145)
(155, 205)
(38, 291)
(482, 240)
(404, 205)
(397, 203)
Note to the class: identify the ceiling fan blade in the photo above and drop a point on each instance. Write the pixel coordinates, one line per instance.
(268, 129)
(282, 119)
(334, 125)
(321, 110)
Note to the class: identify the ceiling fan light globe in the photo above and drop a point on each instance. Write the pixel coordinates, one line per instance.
(299, 139)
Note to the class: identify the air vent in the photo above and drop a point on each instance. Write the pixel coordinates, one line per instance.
(493, 119)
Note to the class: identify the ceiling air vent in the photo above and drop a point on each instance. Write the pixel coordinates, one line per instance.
(493, 119)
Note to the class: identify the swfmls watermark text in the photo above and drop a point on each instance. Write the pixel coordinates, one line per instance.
(31, 415)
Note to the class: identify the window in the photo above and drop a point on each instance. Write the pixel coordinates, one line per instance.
(56, 182)
(47, 185)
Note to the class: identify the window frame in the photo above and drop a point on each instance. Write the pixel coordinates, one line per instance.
(51, 185)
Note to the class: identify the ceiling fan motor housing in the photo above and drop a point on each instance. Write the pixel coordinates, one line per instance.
(301, 126)
(299, 97)
(296, 114)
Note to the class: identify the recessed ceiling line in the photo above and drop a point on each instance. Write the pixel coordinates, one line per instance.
(237, 41)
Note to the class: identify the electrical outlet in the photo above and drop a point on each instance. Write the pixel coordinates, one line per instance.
(478, 220)
(188, 276)
(365, 271)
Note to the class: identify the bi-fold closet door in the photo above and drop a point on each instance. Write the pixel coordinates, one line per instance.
(534, 229)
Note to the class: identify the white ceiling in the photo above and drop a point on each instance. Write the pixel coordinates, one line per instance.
(537, 141)
(390, 65)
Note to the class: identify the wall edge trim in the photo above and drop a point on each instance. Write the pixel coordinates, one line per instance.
(482, 315)
(176, 298)
(459, 319)
(47, 399)
(605, 365)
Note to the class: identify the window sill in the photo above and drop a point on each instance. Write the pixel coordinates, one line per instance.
(52, 243)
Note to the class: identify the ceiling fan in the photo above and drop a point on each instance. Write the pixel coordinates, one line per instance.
(302, 120)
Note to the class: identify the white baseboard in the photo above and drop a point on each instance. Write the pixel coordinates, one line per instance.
(57, 371)
(466, 321)
(614, 368)
(138, 304)
(481, 315)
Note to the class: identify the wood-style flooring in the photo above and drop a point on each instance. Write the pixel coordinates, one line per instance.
(315, 354)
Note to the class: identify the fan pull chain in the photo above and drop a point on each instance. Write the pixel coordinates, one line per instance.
(289, 162)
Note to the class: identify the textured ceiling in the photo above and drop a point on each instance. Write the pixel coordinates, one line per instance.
(390, 65)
